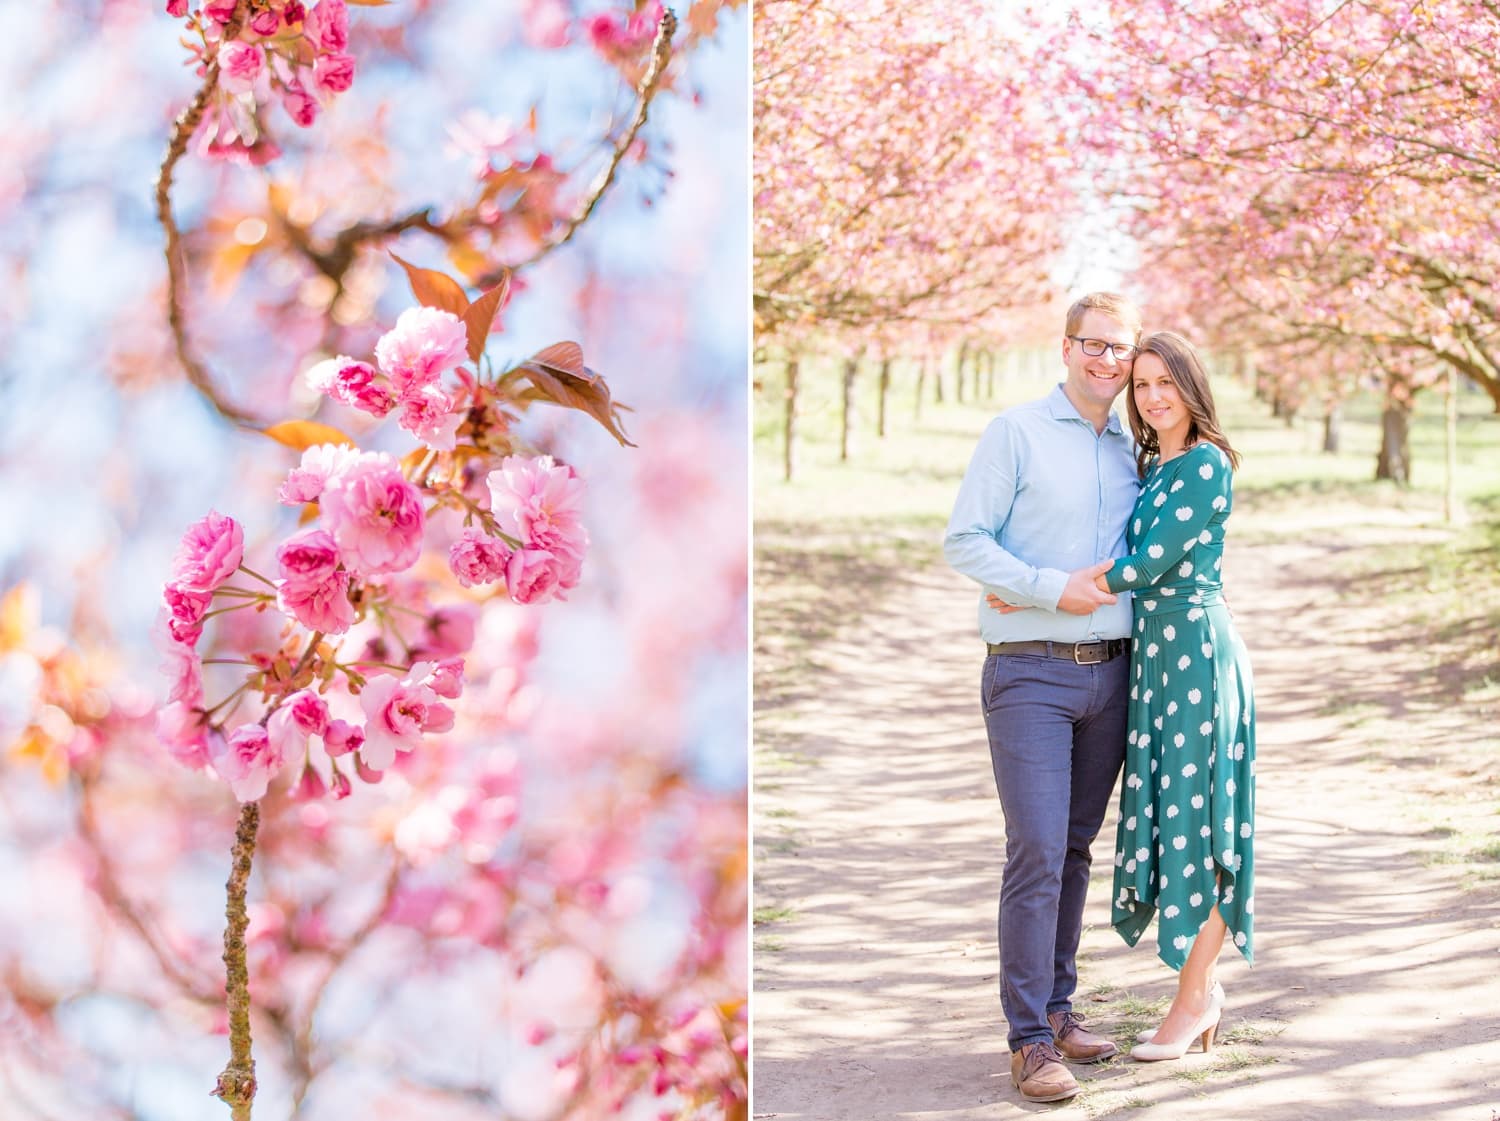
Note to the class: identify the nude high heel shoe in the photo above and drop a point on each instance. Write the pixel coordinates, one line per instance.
(1214, 994)
(1204, 1029)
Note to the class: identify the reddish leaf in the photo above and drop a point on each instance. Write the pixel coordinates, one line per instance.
(303, 434)
(565, 356)
(558, 376)
(435, 289)
(481, 314)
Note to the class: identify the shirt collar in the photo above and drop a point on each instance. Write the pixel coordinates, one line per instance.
(1063, 409)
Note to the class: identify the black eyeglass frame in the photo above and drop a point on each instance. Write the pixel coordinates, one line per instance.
(1114, 348)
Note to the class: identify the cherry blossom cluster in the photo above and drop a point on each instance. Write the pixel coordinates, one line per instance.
(621, 36)
(343, 583)
(284, 50)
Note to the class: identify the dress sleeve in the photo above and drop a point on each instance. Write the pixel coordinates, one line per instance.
(1198, 494)
(972, 541)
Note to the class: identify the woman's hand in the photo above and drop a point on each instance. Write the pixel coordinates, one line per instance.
(1001, 606)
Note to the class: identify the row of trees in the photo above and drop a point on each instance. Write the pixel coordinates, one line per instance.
(1310, 185)
(891, 145)
(1313, 184)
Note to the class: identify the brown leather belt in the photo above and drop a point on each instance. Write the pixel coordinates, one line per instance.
(1082, 653)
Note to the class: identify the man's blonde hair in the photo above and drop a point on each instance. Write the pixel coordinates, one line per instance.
(1111, 304)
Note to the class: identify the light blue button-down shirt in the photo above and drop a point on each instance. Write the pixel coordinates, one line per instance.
(1044, 495)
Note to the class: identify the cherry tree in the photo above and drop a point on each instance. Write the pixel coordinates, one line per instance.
(938, 201)
(487, 833)
(1312, 181)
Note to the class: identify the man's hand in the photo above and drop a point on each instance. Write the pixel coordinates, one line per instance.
(1081, 595)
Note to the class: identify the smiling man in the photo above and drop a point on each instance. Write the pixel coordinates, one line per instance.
(1041, 511)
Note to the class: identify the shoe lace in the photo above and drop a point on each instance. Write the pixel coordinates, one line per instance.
(1067, 1023)
(1036, 1055)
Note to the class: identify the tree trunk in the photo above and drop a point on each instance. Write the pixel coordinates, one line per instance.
(851, 367)
(990, 362)
(916, 412)
(1331, 431)
(885, 387)
(1394, 459)
(958, 373)
(937, 381)
(790, 427)
(1452, 506)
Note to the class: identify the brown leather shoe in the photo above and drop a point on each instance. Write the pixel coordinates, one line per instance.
(1039, 1074)
(1076, 1042)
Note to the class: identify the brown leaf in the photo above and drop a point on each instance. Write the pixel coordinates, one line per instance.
(564, 356)
(481, 314)
(558, 376)
(303, 434)
(435, 289)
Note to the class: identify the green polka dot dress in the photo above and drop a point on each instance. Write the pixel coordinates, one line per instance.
(1186, 835)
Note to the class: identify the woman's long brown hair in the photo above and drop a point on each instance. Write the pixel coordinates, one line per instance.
(1188, 375)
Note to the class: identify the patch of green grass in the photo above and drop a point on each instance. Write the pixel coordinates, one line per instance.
(769, 946)
(1253, 1032)
(778, 812)
(1225, 1062)
(765, 915)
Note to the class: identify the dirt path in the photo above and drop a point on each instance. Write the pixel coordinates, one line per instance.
(878, 842)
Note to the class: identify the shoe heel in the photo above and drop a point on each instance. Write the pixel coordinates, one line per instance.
(1207, 1038)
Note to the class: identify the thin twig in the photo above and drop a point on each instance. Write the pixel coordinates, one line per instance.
(182, 131)
(236, 1085)
(661, 54)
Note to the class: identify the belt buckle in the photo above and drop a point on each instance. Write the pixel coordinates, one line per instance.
(1102, 648)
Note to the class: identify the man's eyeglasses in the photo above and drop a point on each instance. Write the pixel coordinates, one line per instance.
(1123, 352)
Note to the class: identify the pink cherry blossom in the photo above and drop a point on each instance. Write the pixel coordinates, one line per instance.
(294, 12)
(424, 344)
(327, 25)
(301, 715)
(310, 785)
(375, 515)
(300, 105)
(220, 11)
(397, 712)
(180, 728)
(450, 632)
(534, 576)
(539, 501)
(309, 555)
(320, 463)
(447, 678)
(313, 589)
(240, 64)
(184, 670)
(353, 383)
(342, 737)
(177, 8)
(333, 73)
(544, 23)
(185, 612)
(477, 558)
(211, 550)
(265, 22)
(247, 760)
(339, 786)
(428, 415)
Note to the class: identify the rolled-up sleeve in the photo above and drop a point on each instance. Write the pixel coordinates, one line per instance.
(972, 545)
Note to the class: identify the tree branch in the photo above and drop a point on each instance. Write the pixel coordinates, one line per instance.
(182, 131)
(236, 1085)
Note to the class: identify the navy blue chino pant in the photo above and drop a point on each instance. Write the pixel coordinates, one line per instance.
(1057, 743)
